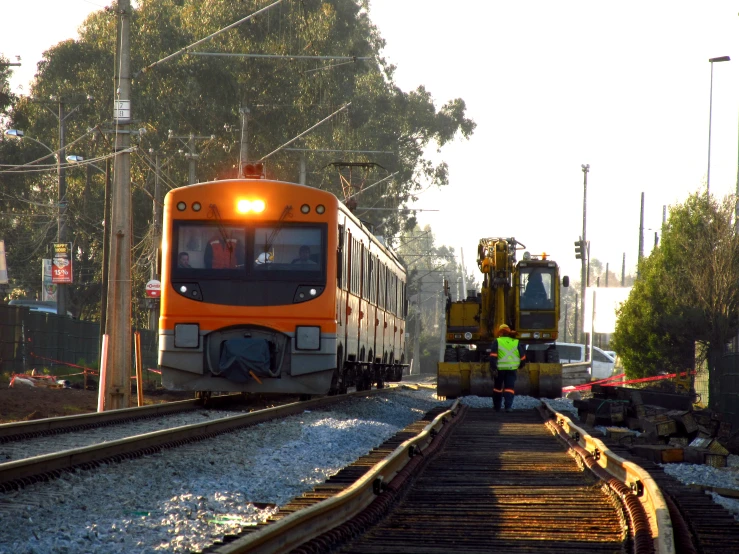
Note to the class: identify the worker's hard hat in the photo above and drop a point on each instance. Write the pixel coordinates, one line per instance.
(504, 326)
(264, 258)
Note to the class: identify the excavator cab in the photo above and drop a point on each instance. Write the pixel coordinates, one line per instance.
(525, 296)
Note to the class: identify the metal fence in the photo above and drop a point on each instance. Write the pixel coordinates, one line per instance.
(35, 340)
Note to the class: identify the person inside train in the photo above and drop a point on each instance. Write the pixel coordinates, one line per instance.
(224, 253)
(304, 256)
(183, 260)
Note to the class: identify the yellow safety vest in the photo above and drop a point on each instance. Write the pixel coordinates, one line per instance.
(508, 357)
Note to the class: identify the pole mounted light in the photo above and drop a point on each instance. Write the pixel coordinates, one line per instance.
(710, 111)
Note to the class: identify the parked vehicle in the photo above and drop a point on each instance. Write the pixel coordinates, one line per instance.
(36, 306)
(603, 362)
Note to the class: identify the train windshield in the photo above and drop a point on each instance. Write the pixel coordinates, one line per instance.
(287, 249)
(205, 249)
(536, 288)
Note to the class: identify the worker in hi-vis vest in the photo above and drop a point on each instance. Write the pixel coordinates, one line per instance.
(507, 354)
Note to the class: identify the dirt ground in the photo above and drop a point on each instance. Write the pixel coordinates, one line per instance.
(26, 403)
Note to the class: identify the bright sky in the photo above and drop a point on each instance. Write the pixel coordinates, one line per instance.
(624, 87)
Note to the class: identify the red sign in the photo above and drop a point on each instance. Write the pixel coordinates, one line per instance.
(61, 262)
(153, 289)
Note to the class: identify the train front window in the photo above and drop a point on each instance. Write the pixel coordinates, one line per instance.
(210, 247)
(536, 290)
(288, 249)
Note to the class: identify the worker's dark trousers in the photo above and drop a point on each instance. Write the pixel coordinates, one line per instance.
(503, 388)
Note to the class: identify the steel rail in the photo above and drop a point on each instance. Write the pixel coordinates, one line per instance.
(303, 525)
(18, 473)
(62, 424)
(637, 479)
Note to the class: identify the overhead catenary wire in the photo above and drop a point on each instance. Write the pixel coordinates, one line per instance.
(186, 49)
(342, 108)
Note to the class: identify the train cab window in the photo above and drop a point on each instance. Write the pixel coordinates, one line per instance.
(288, 249)
(201, 247)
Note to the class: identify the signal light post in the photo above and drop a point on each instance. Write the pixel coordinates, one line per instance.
(583, 243)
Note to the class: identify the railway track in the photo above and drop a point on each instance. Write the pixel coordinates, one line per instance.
(22, 430)
(18, 473)
(476, 481)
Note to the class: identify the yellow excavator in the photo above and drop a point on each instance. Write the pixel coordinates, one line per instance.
(525, 296)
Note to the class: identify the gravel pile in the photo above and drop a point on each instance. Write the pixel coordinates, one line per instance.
(37, 446)
(186, 498)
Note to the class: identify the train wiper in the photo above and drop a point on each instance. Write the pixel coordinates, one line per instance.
(215, 214)
(286, 213)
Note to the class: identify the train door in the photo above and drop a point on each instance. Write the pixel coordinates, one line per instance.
(342, 272)
(352, 304)
(362, 303)
(373, 322)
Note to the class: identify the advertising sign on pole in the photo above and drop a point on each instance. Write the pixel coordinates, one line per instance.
(61, 262)
(3, 266)
(48, 289)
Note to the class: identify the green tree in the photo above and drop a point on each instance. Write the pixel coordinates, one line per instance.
(202, 96)
(686, 293)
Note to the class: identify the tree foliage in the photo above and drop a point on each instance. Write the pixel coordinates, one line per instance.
(202, 96)
(687, 291)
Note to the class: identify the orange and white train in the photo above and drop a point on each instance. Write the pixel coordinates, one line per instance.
(274, 287)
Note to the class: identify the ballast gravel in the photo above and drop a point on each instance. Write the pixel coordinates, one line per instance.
(184, 499)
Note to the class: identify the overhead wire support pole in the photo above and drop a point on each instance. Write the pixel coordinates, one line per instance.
(186, 49)
(324, 120)
(116, 387)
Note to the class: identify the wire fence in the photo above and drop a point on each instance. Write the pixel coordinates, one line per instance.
(56, 345)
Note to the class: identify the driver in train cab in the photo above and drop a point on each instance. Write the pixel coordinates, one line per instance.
(224, 253)
(183, 260)
(304, 256)
(507, 355)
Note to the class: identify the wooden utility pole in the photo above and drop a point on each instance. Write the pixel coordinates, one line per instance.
(623, 270)
(117, 392)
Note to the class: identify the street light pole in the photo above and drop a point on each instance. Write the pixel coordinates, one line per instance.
(710, 110)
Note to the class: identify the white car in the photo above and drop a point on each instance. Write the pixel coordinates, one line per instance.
(603, 362)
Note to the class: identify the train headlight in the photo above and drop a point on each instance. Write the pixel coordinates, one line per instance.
(243, 206)
(537, 335)
(257, 206)
(307, 338)
(468, 336)
(320, 209)
(186, 335)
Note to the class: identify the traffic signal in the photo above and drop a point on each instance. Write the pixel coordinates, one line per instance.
(579, 249)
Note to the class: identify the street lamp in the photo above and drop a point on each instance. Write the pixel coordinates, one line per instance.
(710, 110)
(17, 133)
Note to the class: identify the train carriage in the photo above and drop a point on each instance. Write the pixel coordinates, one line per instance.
(274, 287)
